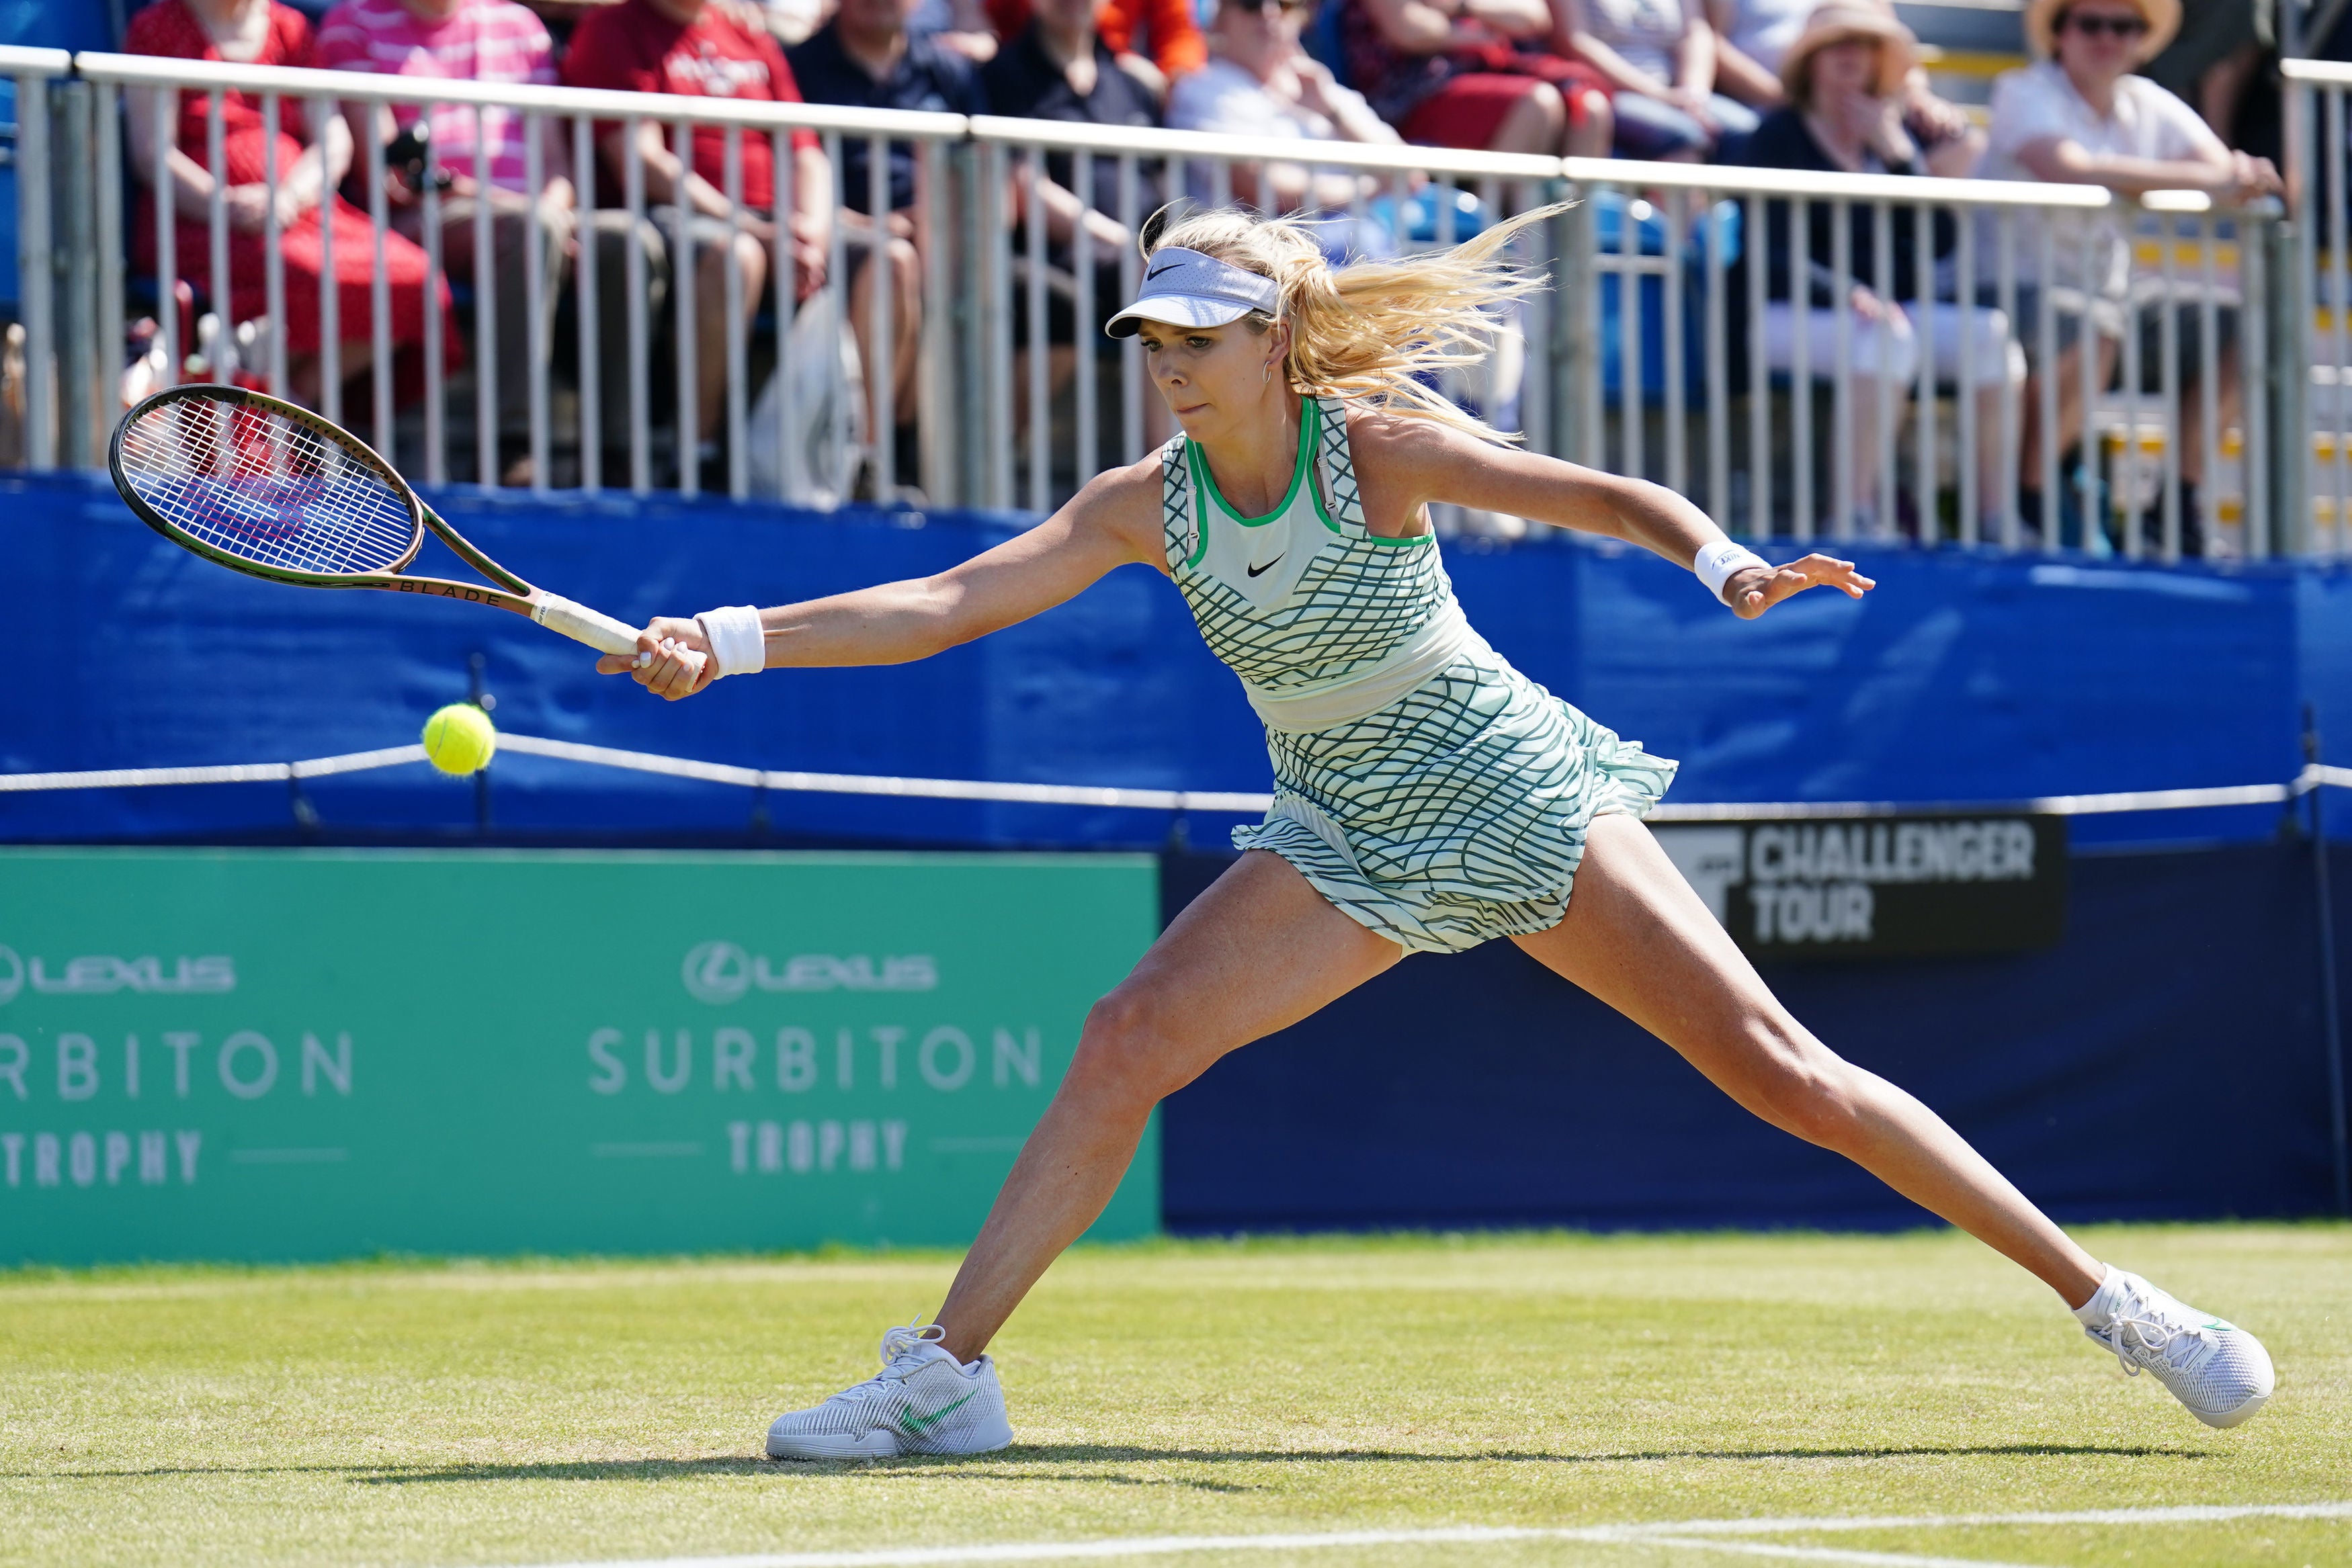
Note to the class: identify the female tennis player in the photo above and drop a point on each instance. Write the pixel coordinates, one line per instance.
(1427, 796)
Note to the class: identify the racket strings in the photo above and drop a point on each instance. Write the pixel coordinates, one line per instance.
(265, 489)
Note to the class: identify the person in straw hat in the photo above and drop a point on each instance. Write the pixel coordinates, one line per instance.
(2079, 115)
(1846, 76)
(1754, 36)
(1866, 79)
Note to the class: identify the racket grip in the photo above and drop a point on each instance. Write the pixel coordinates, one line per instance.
(583, 625)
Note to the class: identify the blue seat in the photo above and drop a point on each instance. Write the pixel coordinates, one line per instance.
(1611, 213)
(1413, 220)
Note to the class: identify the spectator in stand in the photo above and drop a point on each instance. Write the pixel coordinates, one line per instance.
(2215, 62)
(259, 32)
(1658, 58)
(1752, 38)
(962, 27)
(1845, 78)
(1474, 74)
(2079, 115)
(1154, 41)
(866, 57)
(694, 48)
(1260, 82)
(788, 22)
(483, 41)
(1060, 69)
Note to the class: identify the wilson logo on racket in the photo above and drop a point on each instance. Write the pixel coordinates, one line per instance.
(267, 489)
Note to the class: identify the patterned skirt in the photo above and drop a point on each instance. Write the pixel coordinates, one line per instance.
(1456, 814)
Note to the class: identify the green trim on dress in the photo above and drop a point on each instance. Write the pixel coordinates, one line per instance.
(1310, 422)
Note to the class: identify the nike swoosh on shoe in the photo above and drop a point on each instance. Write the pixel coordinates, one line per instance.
(916, 1425)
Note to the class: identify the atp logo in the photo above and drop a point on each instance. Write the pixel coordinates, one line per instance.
(98, 974)
(720, 972)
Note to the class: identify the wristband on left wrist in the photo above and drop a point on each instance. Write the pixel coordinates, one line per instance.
(739, 644)
(1718, 563)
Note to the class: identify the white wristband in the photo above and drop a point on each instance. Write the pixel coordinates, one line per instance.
(737, 642)
(1715, 563)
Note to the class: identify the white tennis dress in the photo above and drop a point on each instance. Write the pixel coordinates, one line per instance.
(1423, 784)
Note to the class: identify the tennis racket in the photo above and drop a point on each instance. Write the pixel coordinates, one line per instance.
(259, 485)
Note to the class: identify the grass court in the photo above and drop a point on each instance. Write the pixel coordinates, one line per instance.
(1611, 1391)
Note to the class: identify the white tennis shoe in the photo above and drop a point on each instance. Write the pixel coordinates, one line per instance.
(923, 1401)
(2217, 1369)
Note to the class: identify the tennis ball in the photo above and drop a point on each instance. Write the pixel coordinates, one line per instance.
(459, 739)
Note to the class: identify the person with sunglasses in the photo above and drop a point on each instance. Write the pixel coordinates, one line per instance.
(2080, 115)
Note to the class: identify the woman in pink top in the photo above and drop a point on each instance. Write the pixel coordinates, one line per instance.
(493, 41)
(260, 32)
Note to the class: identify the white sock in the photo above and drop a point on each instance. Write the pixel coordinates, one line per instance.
(2100, 1310)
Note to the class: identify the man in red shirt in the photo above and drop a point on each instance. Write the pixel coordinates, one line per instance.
(688, 48)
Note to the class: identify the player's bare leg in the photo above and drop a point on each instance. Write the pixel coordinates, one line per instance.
(1257, 952)
(1637, 937)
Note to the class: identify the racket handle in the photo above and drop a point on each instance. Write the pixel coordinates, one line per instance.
(583, 625)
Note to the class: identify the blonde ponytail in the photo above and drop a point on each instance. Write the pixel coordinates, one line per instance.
(1371, 331)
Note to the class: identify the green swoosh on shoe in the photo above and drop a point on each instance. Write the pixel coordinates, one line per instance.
(918, 1424)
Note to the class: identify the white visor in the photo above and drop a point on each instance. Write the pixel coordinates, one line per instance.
(1186, 288)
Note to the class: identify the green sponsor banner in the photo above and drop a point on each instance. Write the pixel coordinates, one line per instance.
(304, 1055)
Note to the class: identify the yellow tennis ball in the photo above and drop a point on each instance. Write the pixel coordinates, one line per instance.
(459, 739)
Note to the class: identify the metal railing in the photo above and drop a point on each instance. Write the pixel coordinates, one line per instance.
(1944, 424)
(1693, 334)
(327, 94)
(2312, 334)
(1119, 176)
(33, 403)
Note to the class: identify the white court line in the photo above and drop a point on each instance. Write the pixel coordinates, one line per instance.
(1187, 1545)
(1684, 1535)
(2187, 1513)
(1815, 1553)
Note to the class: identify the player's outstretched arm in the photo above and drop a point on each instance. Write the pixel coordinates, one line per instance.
(1111, 522)
(1423, 461)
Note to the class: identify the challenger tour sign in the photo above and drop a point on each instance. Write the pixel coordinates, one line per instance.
(1884, 886)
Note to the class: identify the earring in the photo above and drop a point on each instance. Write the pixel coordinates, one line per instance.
(1268, 375)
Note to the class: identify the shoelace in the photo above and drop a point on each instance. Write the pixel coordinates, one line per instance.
(2155, 1335)
(898, 1345)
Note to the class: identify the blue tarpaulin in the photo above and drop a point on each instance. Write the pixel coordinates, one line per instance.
(1966, 676)
(2167, 1061)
